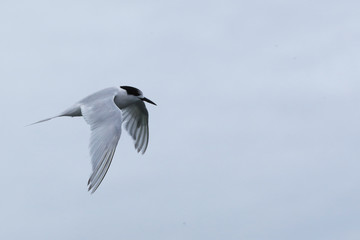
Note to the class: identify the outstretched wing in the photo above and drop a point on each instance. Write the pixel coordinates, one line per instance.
(136, 120)
(105, 120)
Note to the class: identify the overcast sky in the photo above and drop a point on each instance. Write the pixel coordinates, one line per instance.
(256, 134)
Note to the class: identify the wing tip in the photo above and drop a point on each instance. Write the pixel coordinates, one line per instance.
(91, 187)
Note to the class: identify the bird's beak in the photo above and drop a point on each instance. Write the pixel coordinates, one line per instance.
(148, 100)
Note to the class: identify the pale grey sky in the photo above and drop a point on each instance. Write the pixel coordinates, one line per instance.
(256, 133)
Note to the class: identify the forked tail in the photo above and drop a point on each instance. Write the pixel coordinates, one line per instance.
(44, 120)
(74, 111)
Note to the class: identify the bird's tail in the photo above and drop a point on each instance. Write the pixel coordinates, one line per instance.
(44, 120)
(74, 111)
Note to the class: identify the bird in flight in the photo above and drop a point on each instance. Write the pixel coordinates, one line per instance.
(106, 111)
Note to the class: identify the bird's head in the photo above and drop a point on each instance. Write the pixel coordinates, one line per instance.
(131, 91)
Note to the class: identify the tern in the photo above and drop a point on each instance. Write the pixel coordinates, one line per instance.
(106, 111)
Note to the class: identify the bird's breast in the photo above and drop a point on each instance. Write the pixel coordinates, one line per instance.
(122, 101)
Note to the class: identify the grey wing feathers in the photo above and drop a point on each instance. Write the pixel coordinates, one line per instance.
(105, 119)
(102, 152)
(136, 123)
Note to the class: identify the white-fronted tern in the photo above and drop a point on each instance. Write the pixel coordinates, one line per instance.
(105, 111)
